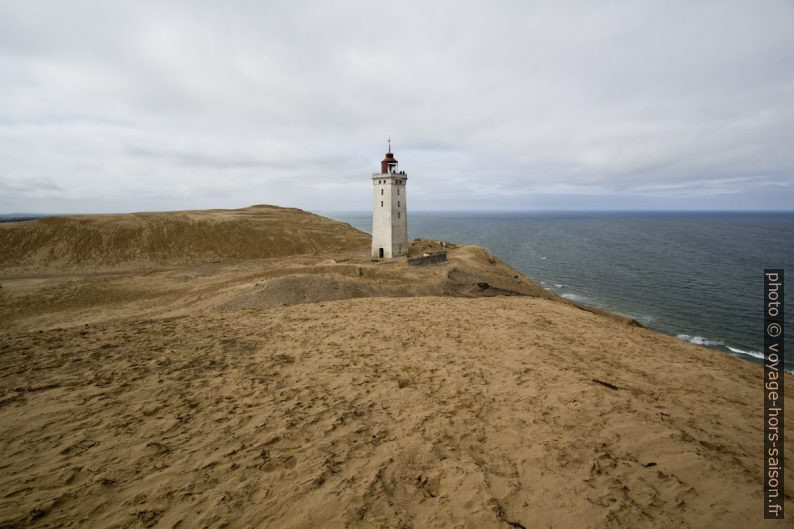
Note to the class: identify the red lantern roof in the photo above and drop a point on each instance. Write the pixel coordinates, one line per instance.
(389, 163)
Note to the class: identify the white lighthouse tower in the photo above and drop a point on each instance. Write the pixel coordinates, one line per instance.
(389, 222)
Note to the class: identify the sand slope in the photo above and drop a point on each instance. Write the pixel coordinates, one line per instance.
(146, 239)
(322, 389)
(378, 412)
(44, 297)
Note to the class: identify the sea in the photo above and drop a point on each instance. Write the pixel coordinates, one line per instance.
(695, 276)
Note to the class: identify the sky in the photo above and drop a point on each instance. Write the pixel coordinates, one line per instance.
(499, 105)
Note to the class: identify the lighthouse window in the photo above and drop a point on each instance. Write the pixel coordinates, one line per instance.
(398, 203)
(381, 203)
(381, 191)
(398, 191)
(398, 214)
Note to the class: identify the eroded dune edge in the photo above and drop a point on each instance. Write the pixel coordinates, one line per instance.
(254, 368)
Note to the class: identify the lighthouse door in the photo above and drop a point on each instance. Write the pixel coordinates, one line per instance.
(380, 253)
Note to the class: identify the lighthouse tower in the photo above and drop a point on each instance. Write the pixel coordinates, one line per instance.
(389, 222)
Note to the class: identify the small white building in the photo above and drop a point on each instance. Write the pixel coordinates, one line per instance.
(389, 214)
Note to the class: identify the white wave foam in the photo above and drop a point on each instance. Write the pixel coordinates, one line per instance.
(754, 354)
(558, 285)
(573, 297)
(698, 340)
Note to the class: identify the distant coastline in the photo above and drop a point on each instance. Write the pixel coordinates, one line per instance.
(20, 217)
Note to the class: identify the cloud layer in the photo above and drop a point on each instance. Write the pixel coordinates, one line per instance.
(498, 105)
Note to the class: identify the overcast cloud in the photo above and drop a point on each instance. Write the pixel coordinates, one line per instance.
(124, 106)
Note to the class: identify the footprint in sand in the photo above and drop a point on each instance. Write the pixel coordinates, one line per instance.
(271, 464)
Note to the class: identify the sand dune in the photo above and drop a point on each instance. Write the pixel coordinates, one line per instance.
(146, 239)
(321, 389)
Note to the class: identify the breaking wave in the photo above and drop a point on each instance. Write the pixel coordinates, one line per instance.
(754, 354)
(699, 340)
(574, 297)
